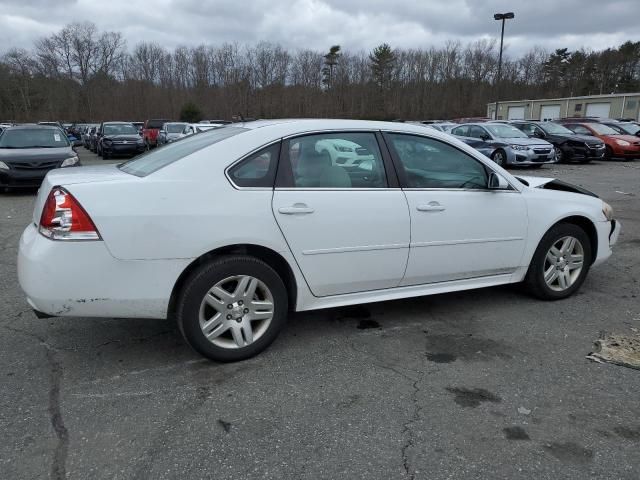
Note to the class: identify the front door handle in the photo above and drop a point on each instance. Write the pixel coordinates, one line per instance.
(296, 209)
(430, 207)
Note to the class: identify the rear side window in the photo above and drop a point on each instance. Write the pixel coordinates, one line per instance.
(161, 157)
(461, 131)
(257, 170)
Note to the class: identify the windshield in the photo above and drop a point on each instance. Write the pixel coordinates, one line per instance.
(505, 131)
(629, 128)
(120, 129)
(174, 127)
(33, 138)
(156, 159)
(554, 128)
(602, 129)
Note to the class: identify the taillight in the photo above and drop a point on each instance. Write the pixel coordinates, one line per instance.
(63, 218)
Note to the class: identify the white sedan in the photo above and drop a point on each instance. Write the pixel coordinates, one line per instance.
(228, 230)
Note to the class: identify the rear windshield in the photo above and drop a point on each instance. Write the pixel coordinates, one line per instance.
(156, 123)
(156, 159)
(602, 129)
(33, 138)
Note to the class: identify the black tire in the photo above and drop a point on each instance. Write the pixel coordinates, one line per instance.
(204, 278)
(106, 156)
(98, 151)
(559, 155)
(500, 157)
(534, 280)
(608, 153)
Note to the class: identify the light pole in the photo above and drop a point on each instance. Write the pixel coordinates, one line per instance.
(503, 17)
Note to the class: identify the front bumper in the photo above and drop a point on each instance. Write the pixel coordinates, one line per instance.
(22, 178)
(83, 279)
(123, 148)
(582, 153)
(533, 156)
(608, 233)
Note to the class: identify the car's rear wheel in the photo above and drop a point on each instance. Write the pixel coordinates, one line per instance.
(561, 262)
(232, 308)
(500, 157)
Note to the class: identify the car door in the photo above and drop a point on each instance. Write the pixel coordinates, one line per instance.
(346, 225)
(459, 228)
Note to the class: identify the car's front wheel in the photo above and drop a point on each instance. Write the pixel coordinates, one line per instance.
(500, 157)
(232, 308)
(561, 262)
(559, 154)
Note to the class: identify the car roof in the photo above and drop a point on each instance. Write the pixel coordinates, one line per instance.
(292, 126)
(117, 123)
(32, 126)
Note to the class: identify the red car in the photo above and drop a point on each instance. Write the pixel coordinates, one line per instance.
(150, 132)
(617, 145)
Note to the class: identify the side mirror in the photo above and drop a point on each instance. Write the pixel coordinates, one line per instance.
(485, 137)
(538, 134)
(497, 182)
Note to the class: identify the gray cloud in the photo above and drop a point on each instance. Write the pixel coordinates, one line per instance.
(317, 24)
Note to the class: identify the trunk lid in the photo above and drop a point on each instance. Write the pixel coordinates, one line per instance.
(74, 175)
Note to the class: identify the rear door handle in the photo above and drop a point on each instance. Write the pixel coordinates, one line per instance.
(430, 207)
(296, 209)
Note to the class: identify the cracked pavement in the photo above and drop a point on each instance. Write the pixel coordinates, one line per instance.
(429, 388)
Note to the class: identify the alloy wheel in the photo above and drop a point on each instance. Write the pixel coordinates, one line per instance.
(236, 311)
(498, 157)
(559, 155)
(563, 263)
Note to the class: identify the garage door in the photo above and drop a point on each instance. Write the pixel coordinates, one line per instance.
(598, 110)
(515, 113)
(549, 112)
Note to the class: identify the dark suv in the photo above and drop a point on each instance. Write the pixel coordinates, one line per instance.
(118, 138)
(568, 146)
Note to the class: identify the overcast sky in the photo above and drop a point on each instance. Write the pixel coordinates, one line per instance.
(318, 24)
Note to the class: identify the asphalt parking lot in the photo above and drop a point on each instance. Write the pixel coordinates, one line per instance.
(480, 384)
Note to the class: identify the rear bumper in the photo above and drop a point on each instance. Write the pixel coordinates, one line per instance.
(83, 279)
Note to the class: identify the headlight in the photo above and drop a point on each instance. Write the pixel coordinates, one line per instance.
(623, 143)
(519, 147)
(607, 211)
(344, 149)
(68, 162)
(4, 166)
(106, 141)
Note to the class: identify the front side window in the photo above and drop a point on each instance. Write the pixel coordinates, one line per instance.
(257, 170)
(580, 130)
(334, 160)
(430, 163)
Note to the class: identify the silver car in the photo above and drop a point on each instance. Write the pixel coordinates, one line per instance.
(170, 132)
(515, 148)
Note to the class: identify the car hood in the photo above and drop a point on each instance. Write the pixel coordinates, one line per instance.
(26, 155)
(553, 184)
(134, 137)
(589, 140)
(528, 142)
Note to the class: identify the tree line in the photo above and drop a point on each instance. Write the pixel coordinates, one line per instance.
(83, 74)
